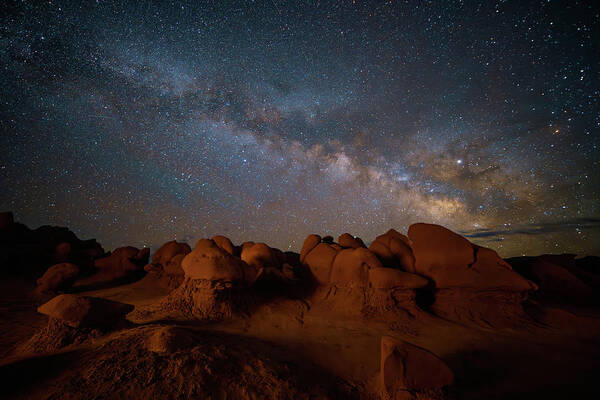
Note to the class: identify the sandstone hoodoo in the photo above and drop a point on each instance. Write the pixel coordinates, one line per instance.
(472, 283)
(215, 286)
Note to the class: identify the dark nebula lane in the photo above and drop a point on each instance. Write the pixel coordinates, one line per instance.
(267, 121)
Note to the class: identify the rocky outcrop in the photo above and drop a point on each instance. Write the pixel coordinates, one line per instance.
(356, 281)
(30, 252)
(124, 264)
(394, 251)
(558, 277)
(166, 263)
(353, 242)
(406, 370)
(57, 278)
(472, 283)
(82, 311)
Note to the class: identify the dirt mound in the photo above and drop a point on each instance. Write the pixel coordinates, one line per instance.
(209, 365)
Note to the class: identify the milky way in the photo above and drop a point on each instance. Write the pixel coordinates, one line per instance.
(267, 121)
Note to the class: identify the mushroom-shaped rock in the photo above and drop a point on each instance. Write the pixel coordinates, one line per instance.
(320, 262)
(310, 243)
(169, 339)
(352, 266)
(209, 261)
(347, 240)
(406, 367)
(394, 251)
(84, 311)
(391, 278)
(259, 255)
(58, 277)
(169, 250)
(224, 243)
(452, 261)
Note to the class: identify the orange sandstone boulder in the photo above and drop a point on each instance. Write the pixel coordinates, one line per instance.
(224, 243)
(259, 255)
(84, 311)
(352, 267)
(209, 261)
(409, 368)
(394, 251)
(310, 243)
(347, 240)
(58, 277)
(320, 261)
(169, 250)
(451, 261)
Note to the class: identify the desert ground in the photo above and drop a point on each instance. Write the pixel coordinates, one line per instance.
(421, 315)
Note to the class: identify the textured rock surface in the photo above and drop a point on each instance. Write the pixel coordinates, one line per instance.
(406, 367)
(452, 261)
(58, 277)
(84, 311)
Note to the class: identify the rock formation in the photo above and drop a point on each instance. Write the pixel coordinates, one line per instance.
(58, 277)
(407, 369)
(472, 283)
(30, 252)
(82, 311)
(166, 263)
(356, 279)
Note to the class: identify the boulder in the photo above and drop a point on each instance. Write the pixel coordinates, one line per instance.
(84, 311)
(555, 281)
(394, 251)
(259, 255)
(320, 262)
(391, 278)
(352, 266)
(408, 368)
(58, 277)
(451, 261)
(124, 259)
(169, 250)
(209, 261)
(173, 266)
(347, 240)
(224, 243)
(310, 243)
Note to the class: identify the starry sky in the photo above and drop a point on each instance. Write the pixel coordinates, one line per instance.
(140, 122)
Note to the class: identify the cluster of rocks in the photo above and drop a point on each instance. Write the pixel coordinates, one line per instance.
(217, 277)
(74, 319)
(464, 281)
(29, 252)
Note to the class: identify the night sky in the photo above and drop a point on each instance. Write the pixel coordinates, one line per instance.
(267, 121)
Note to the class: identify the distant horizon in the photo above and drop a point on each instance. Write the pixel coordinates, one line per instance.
(481, 237)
